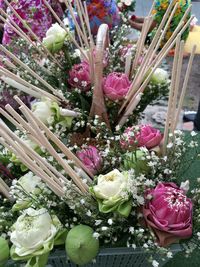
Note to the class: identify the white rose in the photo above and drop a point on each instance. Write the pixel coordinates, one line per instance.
(55, 37)
(43, 111)
(111, 185)
(32, 231)
(160, 76)
(29, 182)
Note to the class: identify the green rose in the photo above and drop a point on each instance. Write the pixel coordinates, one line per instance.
(112, 194)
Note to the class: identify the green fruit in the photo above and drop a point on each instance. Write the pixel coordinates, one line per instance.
(81, 246)
(134, 160)
(4, 251)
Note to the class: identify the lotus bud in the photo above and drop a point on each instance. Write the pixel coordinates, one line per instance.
(81, 246)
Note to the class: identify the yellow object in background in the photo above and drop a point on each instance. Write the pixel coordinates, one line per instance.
(193, 39)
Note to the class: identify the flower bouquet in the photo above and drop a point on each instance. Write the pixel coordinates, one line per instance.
(78, 173)
(125, 7)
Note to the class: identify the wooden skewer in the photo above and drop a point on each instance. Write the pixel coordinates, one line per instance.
(6, 62)
(130, 110)
(177, 83)
(182, 26)
(185, 83)
(81, 15)
(22, 123)
(68, 32)
(163, 33)
(140, 44)
(4, 189)
(59, 144)
(128, 64)
(30, 117)
(32, 33)
(157, 61)
(171, 93)
(8, 117)
(28, 87)
(44, 164)
(80, 34)
(141, 71)
(88, 25)
(146, 81)
(34, 156)
(12, 145)
(34, 74)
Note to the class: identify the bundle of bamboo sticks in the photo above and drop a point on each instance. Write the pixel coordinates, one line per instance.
(42, 136)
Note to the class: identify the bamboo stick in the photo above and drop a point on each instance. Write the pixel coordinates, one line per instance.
(28, 87)
(81, 36)
(4, 189)
(30, 117)
(128, 64)
(88, 25)
(171, 93)
(185, 83)
(11, 145)
(163, 32)
(146, 81)
(140, 44)
(177, 83)
(82, 18)
(34, 74)
(141, 71)
(157, 62)
(130, 110)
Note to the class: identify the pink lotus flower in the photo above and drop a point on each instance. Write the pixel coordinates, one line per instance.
(147, 136)
(168, 213)
(79, 76)
(116, 85)
(90, 158)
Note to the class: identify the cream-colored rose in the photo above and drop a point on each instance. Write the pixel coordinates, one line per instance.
(111, 185)
(29, 182)
(160, 76)
(43, 111)
(55, 37)
(32, 231)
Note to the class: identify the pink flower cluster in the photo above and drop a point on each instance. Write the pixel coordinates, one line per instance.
(168, 213)
(91, 158)
(146, 136)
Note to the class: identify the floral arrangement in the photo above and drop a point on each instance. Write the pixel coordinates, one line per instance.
(125, 7)
(77, 168)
